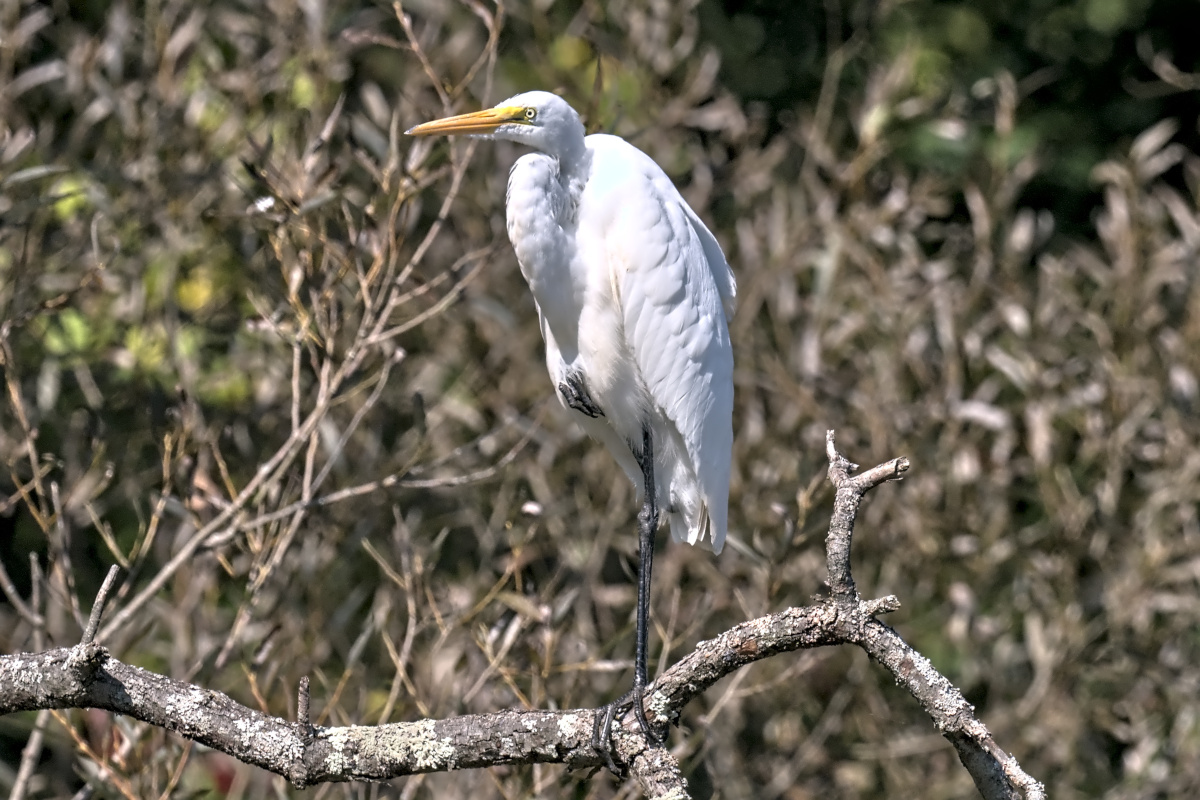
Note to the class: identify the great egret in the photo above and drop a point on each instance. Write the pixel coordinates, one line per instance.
(633, 295)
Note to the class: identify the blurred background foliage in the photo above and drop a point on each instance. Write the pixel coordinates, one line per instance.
(963, 233)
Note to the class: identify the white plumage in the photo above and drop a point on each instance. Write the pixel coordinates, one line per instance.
(633, 293)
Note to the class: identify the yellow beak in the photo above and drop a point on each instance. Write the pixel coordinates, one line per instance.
(485, 121)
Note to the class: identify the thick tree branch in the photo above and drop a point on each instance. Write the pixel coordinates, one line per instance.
(86, 676)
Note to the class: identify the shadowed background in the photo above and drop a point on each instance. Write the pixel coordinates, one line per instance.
(965, 235)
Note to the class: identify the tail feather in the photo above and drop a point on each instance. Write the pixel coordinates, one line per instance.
(695, 519)
(694, 524)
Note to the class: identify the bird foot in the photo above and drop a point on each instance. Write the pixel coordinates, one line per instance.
(602, 724)
(576, 395)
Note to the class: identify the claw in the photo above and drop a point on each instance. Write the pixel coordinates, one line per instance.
(575, 394)
(602, 741)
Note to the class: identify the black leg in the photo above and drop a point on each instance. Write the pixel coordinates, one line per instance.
(647, 526)
(575, 393)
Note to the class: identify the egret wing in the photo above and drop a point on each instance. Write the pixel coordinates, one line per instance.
(665, 268)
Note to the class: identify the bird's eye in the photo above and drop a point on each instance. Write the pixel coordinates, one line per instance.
(530, 114)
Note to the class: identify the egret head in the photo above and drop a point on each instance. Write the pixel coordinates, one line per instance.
(539, 119)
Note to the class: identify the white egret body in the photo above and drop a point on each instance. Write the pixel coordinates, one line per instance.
(633, 294)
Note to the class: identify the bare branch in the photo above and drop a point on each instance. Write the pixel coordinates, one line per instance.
(53, 680)
(29, 756)
(32, 752)
(47, 680)
(93, 624)
(86, 676)
(10, 593)
(850, 491)
(996, 774)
